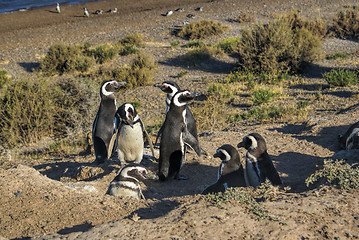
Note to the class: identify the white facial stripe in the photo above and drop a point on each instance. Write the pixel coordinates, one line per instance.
(127, 107)
(173, 88)
(254, 142)
(354, 133)
(228, 157)
(124, 172)
(104, 91)
(127, 184)
(176, 102)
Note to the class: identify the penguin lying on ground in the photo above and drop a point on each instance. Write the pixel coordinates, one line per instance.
(130, 134)
(350, 139)
(127, 182)
(230, 171)
(259, 165)
(171, 88)
(104, 125)
(175, 137)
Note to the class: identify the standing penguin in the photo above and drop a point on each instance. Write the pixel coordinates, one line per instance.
(127, 184)
(259, 165)
(350, 139)
(58, 10)
(131, 134)
(86, 13)
(171, 88)
(230, 171)
(104, 125)
(175, 137)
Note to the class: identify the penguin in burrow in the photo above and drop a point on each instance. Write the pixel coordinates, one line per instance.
(259, 165)
(103, 129)
(128, 182)
(171, 88)
(176, 137)
(350, 139)
(130, 136)
(230, 171)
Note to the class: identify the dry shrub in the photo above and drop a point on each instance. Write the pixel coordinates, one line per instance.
(135, 40)
(202, 53)
(62, 59)
(39, 108)
(103, 53)
(202, 29)
(244, 18)
(346, 24)
(4, 78)
(277, 47)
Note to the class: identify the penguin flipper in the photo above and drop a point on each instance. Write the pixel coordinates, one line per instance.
(112, 143)
(159, 134)
(192, 142)
(271, 173)
(148, 138)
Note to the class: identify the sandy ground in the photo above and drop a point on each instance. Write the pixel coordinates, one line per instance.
(64, 197)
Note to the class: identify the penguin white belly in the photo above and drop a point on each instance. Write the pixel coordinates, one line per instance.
(250, 172)
(131, 143)
(118, 191)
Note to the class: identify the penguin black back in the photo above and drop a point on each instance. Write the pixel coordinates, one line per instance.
(350, 139)
(230, 172)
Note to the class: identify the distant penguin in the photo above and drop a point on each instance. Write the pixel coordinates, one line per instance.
(112, 10)
(168, 13)
(171, 88)
(176, 137)
(230, 171)
(98, 12)
(127, 182)
(86, 13)
(179, 10)
(259, 165)
(350, 139)
(104, 124)
(130, 134)
(58, 10)
(190, 16)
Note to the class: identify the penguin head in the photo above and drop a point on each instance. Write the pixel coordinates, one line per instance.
(230, 159)
(110, 87)
(181, 98)
(353, 141)
(128, 114)
(169, 87)
(253, 143)
(134, 170)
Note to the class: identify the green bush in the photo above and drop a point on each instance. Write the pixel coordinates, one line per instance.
(346, 24)
(40, 108)
(62, 59)
(277, 47)
(135, 40)
(202, 29)
(230, 45)
(128, 50)
(338, 55)
(3, 78)
(341, 78)
(103, 53)
(195, 44)
(338, 173)
(261, 96)
(220, 89)
(175, 44)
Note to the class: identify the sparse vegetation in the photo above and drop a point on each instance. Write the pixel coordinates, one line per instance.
(135, 40)
(248, 197)
(194, 44)
(260, 96)
(182, 74)
(199, 54)
(346, 24)
(230, 45)
(338, 55)
(3, 78)
(244, 18)
(341, 78)
(278, 47)
(103, 53)
(336, 172)
(202, 29)
(62, 59)
(175, 44)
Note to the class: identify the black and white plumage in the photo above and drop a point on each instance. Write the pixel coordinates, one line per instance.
(103, 129)
(98, 12)
(58, 10)
(179, 10)
(176, 137)
(171, 88)
(86, 13)
(259, 165)
(190, 16)
(131, 132)
(199, 9)
(350, 139)
(112, 10)
(168, 13)
(230, 171)
(127, 182)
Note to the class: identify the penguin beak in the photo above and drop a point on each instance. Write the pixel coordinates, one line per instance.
(216, 155)
(116, 85)
(240, 145)
(160, 86)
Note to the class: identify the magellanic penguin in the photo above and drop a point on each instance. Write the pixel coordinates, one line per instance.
(171, 88)
(350, 139)
(259, 165)
(103, 130)
(127, 182)
(230, 171)
(58, 10)
(131, 133)
(175, 137)
(86, 13)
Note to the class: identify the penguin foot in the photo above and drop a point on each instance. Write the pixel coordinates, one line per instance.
(181, 177)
